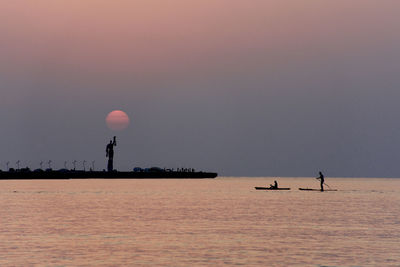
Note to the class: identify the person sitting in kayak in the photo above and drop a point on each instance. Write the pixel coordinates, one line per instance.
(274, 186)
(321, 178)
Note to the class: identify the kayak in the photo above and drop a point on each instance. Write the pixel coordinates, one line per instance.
(269, 188)
(313, 189)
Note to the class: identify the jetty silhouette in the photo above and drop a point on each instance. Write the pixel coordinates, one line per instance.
(111, 173)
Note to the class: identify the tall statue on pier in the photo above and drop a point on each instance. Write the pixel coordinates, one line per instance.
(110, 154)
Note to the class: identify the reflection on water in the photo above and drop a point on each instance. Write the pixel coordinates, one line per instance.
(199, 222)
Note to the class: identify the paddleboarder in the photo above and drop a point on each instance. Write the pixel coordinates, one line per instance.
(321, 178)
(275, 185)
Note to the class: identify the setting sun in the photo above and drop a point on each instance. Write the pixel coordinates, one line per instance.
(117, 120)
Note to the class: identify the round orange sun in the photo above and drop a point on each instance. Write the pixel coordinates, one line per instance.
(117, 120)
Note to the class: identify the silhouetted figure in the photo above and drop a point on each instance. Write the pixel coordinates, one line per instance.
(275, 185)
(110, 154)
(74, 163)
(322, 180)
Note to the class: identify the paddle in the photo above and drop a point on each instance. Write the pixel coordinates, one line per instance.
(324, 183)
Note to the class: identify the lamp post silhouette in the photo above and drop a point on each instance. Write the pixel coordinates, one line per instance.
(74, 163)
(17, 164)
(84, 165)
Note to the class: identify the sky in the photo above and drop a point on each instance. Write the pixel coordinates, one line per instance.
(242, 88)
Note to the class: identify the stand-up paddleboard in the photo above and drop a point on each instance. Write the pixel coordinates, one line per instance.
(313, 189)
(269, 188)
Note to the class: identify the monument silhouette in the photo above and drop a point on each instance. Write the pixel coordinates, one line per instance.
(110, 154)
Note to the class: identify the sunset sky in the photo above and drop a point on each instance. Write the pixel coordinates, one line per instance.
(243, 88)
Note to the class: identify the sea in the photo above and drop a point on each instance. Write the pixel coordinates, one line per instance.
(204, 222)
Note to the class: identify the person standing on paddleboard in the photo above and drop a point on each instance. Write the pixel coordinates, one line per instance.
(321, 178)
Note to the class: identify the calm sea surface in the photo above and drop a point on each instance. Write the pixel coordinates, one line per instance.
(222, 221)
